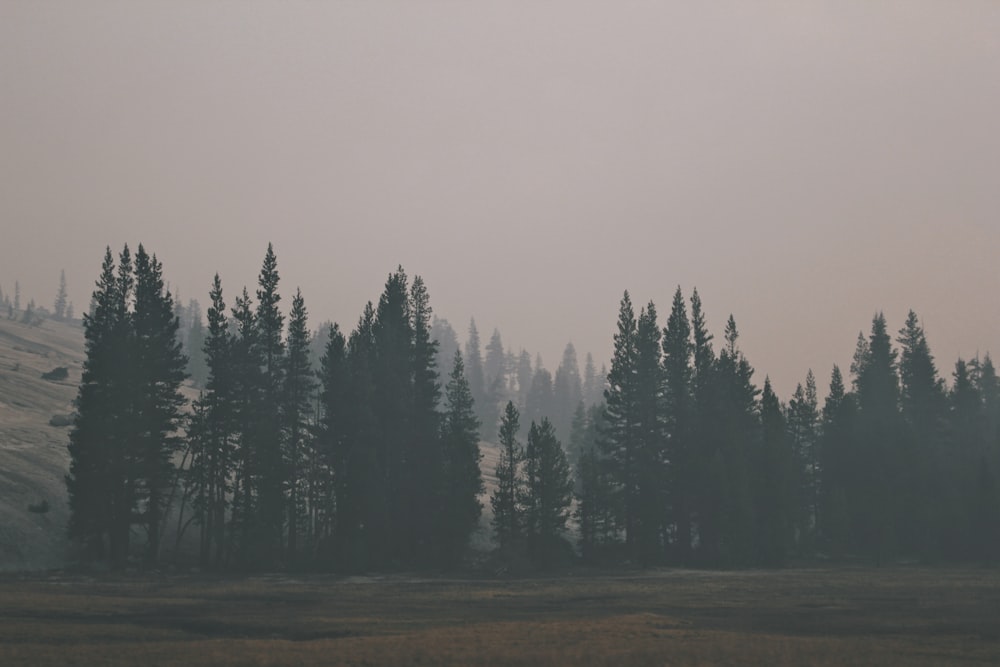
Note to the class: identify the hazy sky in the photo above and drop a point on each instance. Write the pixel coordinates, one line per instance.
(804, 164)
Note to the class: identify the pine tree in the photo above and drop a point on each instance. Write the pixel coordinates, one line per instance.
(247, 364)
(548, 492)
(463, 482)
(651, 453)
(680, 423)
(95, 435)
(332, 443)
(214, 432)
(159, 364)
(423, 460)
(594, 489)
(775, 484)
(296, 412)
(567, 391)
(803, 431)
(392, 374)
(59, 307)
(505, 499)
(446, 339)
(620, 440)
(197, 368)
(876, 503)
(128, 410)
(474, 370)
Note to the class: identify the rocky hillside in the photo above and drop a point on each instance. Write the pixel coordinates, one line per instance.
(33, 455)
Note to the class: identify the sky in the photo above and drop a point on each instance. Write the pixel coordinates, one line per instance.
(803, 164)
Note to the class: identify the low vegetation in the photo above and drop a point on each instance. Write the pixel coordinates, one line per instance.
(788, 617)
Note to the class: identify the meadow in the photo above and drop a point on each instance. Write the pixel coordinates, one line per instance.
(837, 616)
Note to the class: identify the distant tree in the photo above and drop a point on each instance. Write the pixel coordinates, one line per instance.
(539, 400)
(549, 492)
(505, 499)
(69, 312)
(197, 367)
(463, 482)
(30, 317)
(495, 378)
(525, 373)
(447, 344)
(567, 391)
(59, 308)
(17, 297)
(474, 370)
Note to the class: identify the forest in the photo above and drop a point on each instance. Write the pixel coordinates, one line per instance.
(358, 450)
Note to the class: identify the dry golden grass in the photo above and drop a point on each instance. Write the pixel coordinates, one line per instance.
(664, 617)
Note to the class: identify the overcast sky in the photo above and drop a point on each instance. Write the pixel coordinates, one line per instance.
(804, 164)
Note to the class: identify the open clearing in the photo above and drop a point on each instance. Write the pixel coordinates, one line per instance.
(910, 616)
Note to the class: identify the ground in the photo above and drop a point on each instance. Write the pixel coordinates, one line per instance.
(836, 616)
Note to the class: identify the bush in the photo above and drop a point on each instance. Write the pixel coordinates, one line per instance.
(61, 420)
(39, 508)
(59, 373)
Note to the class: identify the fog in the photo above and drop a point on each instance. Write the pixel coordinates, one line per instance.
(803, 164)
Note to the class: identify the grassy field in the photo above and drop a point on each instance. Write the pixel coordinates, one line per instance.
(670, 617)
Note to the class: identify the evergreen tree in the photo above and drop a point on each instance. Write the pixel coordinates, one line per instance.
(525, 374)
(423, 457)
(392, 374)
(775, 483)
(567, 391)
(444, 335)
(463, 482)
(296, 412)
(128, 411)
(651, 454)
(876, 507)
(197, 366)
(803, 431)
(505, 500)
(680, 423)
(539, 401)
(214, 432)
(272, 474)
(59, 307)
(331, 509)
(549, 492)
(158, 365)
(95, 439)
(474, 370)
(246, 365)
(620, 439)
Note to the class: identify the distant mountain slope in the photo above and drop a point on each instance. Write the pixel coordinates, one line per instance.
(33, 455)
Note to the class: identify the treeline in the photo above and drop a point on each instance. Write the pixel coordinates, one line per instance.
(367, 465)
(689, 462)
(32, 314)
(351, 450)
